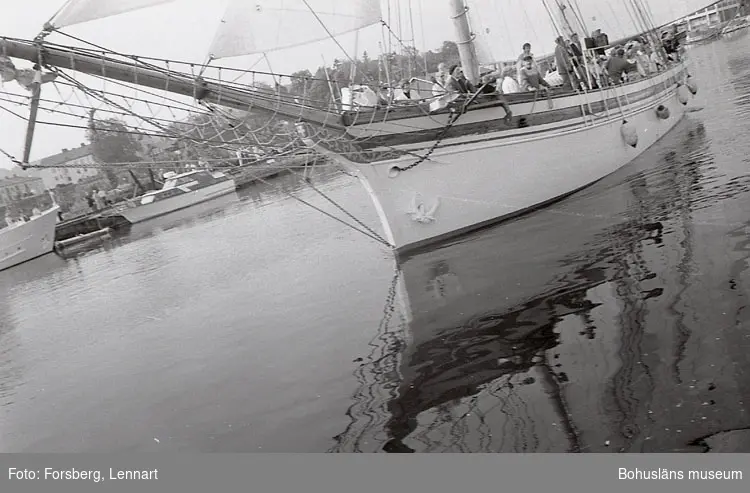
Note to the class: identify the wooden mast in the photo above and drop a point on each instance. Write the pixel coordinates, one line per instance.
(464, 40)
(36, 91)
(166, 80)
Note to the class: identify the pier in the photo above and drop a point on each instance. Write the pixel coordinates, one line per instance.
(89, 223)
(83, 242)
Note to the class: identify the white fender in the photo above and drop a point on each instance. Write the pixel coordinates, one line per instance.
(683, 94)
(629, 133)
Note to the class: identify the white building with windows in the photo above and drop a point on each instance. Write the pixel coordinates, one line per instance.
(67, 167)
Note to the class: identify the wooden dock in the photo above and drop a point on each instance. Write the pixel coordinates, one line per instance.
(89, 223)
(81, 243)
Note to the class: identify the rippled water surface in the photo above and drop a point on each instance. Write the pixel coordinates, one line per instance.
(616, 320)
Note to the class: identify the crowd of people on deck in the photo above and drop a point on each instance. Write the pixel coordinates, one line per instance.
(574, 66)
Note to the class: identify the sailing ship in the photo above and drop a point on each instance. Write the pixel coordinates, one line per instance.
(179, 191)
(433, 171)
(560, 344)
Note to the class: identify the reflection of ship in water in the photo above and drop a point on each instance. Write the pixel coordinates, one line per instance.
(580, 339)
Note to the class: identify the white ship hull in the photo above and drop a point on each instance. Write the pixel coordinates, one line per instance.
(27, 241)
(145, 212)
(475, 180)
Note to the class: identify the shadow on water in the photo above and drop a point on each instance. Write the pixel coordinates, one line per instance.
(615, 321)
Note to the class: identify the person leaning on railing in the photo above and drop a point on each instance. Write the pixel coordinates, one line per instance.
(531, 79)
(520, 62)
(488, 87)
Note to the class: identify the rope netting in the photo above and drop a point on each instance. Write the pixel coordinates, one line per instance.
(137, 127)
(158, 120)
(157, 115)
(217, 129)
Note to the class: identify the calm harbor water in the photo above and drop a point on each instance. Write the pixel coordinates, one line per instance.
(616, 320)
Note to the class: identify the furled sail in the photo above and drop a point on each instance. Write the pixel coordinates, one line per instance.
(501, 27)
(78, 11)
(268, 25)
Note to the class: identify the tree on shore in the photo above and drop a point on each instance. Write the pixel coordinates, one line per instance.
(113, 142)
(390, 67)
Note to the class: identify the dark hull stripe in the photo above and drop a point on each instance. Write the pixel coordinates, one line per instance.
(364, 117)
(382, 148)
(518, 121)
(523, 135)
(355, 154)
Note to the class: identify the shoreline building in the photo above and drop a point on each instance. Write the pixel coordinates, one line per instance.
(65, 171)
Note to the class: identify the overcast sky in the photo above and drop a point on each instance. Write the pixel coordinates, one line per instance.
(184, 29)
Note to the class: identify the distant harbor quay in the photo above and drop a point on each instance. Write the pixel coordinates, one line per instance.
(95, 227)
(89, 223)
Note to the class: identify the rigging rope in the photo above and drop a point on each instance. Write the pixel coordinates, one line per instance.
(375, 235)
(367, 231)
(110, 102)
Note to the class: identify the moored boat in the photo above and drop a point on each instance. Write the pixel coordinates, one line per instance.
(179, 192)
(26, 240)
(486, 170)
(437, 175)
